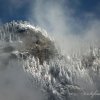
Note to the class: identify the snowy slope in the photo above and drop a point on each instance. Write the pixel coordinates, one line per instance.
(31, 68)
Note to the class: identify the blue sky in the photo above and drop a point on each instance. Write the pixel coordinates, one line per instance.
(14, 10)
(77, 14)
(73, 22)
(21, 10)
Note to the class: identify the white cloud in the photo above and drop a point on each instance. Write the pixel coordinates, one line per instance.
(51, 16)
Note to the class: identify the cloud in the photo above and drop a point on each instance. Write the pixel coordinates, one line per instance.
(50, 16)
(70, 32)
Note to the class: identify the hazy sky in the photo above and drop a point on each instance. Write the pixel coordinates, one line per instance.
(21, 9)
(73, 23)
(57, 16)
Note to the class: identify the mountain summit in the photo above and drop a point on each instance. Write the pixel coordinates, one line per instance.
(30, 39)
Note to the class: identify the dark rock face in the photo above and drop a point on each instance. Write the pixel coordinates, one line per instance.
(42, 47)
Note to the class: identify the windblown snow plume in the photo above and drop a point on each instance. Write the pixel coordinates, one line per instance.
(32, 68)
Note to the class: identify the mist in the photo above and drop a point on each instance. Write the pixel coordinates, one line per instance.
(69, 32)
(70, 35)
(15, 83)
